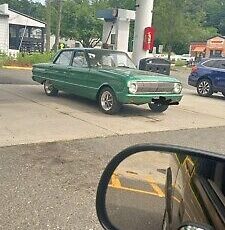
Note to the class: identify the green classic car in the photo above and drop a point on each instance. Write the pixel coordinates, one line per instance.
(108, 76)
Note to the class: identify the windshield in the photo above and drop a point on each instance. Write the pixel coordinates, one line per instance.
(109, 58)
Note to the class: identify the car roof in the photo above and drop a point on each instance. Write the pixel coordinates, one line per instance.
(211, 59)
(94, 49)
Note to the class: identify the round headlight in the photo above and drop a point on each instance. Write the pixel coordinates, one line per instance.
(132, 88)
(177, 88)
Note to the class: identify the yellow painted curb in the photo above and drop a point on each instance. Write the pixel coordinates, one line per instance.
(17, 67)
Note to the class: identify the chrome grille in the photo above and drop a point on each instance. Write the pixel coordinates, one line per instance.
(155, 87)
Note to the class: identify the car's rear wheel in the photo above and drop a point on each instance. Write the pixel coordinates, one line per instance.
(49, 88)
(204, 88)
(108, 102)
(157, 107)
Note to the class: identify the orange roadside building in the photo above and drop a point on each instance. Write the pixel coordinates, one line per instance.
(214, 47)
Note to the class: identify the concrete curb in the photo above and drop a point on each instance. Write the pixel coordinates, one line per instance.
(17, 68)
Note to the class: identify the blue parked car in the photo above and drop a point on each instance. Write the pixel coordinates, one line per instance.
(208, 76)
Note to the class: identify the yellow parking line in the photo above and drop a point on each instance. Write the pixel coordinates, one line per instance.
(17, 67)
(155, 187)
(148, 179)
(135, 190)
(115, 181)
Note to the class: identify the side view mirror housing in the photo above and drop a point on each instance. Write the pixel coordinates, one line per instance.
(162, 187)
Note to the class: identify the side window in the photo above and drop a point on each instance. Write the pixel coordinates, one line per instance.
(220, 64)
(211, 63)
(79, 60)
(64, 58)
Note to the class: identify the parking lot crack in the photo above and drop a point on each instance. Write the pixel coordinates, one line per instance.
(78, 118)
(202, 113)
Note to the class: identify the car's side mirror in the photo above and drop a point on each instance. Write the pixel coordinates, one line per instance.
(162, 187)
(194, 226)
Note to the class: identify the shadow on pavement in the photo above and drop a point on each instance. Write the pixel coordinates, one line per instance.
(86, 105)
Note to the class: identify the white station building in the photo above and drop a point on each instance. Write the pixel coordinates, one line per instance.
(20, 32)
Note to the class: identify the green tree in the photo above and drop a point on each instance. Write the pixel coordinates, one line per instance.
(34, 9)
(215, 14)
(58, 24)
(48, 23)
(79, 22)
(125, 4)
(178, 23)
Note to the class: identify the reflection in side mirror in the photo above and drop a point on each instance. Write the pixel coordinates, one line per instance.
(135, 197)
(162, 190)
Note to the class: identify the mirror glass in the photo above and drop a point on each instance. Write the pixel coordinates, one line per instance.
(158, 190)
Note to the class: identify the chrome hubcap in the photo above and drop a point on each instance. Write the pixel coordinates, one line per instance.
(204, 87)
(106, 100)
(48, 87)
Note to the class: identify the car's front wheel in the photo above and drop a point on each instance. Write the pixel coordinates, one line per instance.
(157, 107)
(50, 90)
(108, 102)
(204, 88)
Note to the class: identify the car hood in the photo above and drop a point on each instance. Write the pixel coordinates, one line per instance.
(139, 75)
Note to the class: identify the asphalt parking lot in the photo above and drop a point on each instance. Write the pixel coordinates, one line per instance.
(29, 116)
(53, 149)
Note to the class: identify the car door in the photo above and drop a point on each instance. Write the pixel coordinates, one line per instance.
(220, 75)
(186, 206)
(100, 64)
(57, 72)
(78, 74)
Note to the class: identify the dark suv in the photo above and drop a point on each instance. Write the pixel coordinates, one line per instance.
(208, 76)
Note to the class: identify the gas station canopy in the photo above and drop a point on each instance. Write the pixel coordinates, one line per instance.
(116, 27)
(113, 14)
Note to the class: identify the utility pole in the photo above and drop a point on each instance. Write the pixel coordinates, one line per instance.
(171, 26)
(58, 26)
(48, 23)
(144, 9)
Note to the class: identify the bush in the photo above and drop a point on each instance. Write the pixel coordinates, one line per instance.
(180, 63)
(3, 58)
(27, 60)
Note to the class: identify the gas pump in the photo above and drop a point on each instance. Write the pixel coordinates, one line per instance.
(116, 27)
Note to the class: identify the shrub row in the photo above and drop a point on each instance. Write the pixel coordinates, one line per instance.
(25, 60)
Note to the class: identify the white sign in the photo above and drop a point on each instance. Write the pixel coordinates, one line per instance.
(160, 49)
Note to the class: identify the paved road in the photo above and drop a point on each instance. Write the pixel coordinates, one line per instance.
(182, 73)
(50, 185)
(27, 115)
(53, 185)
(16, 77)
